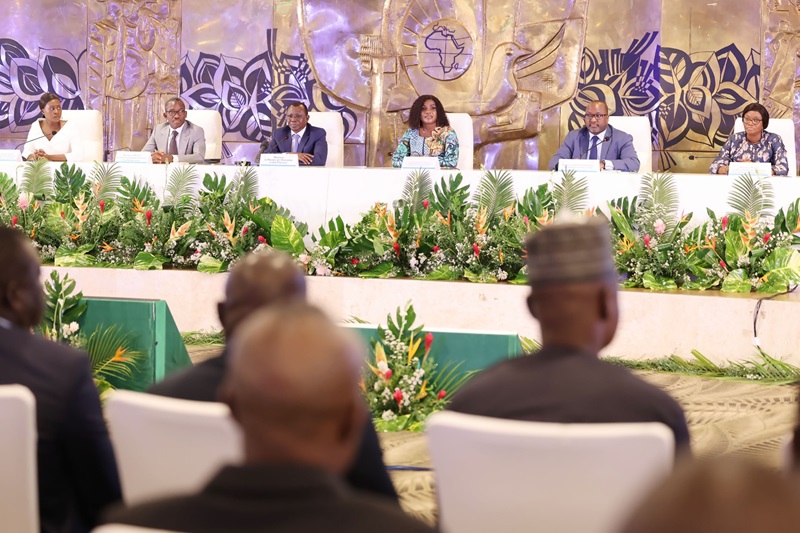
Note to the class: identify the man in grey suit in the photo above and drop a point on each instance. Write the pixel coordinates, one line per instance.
(176, 140)
(597, 140)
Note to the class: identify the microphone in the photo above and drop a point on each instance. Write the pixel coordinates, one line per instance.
(589, 149)
(267, 150)
(23, 143)
(709, 156)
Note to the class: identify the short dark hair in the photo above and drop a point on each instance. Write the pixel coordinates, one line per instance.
(12, 241)
(415, 115)
(172, 100)
(755, 106)
(298, 104)
(47, 98)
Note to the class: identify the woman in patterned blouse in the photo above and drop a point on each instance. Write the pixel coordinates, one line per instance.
(754, 144)
(429, 134)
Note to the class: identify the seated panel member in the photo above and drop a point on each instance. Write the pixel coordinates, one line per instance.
(299, 137)
(52, 138)
(429, 134)
(177, 140)
(597, 140)
(754, 144)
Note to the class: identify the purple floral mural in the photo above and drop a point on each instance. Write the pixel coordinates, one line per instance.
(252, 95)
(24, 79)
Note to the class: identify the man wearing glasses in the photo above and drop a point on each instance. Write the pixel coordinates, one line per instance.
(176, 140)
(597, 140)
(299, 137)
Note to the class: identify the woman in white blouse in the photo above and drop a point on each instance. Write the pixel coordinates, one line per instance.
(50, 137)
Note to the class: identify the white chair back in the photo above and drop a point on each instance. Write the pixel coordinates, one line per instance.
(19, 499)
(333, 125)
(513, 476)
(639, 128)
(121, 528)
(783, 127)
(462, 124)
(211, 122)
(90, 126)
(165, 446)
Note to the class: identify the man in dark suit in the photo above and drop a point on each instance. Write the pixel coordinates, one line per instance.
(574, 297)
(299, 137)
(597, 140)
(177, 140)
(77, 473)
(265, 280)
(292, 387)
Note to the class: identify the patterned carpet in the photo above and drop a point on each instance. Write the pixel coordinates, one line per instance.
(725, 417)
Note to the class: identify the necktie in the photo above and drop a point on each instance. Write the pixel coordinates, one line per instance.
(593, 151)
(295, 141)
(173, 143)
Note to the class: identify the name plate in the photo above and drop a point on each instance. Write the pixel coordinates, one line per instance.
(579, 165)
(279, 160)
(748, 167)
(10, 155)
(129, 156)
(421, 162)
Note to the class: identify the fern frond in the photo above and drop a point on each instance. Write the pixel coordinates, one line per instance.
(660, 189)
(417, 189)
(181, 182)
(495, 192)
(244, 185)
(572, 194)
(751, 196)
(106, 178)
(37, 180)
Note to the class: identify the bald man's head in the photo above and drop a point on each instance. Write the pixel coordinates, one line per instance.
(260, 280)
(292, 384)
(21, 296)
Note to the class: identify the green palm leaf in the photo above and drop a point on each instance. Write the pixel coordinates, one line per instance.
(106, 178)
(572, 194)
(417, 189)
(37, 180)
(244, 185)
(180, 183)
(659, 189)
(111, 353)
(495, 192)
(8, 189)
(751, 196)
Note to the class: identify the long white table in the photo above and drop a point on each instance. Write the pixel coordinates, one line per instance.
(315, 195)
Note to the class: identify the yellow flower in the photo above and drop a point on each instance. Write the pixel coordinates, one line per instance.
(413, 347)
(107, 247)
(118, 355)
(422, 393)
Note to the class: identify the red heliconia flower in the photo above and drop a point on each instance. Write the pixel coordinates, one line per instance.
(148, 216)
(647, 241)
(14, 220)
(396, 247)
(355, 261)
(426, 204)
(428, 342)
(436, 249)
(63, 217)
(476, 249)
(102, 206)
(245, 230)
(722, 264)
(398, 397)
(441, 395)
(388, 374)
(766, 237)
(724, 223)
(262, 239)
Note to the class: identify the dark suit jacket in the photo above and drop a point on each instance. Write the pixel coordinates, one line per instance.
(77, 470)
(313, 142)
(200, 383)
(618, 149)
(277, 499)
(559, 385)
(191, 142)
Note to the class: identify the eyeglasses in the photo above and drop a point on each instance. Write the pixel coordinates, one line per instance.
(751, 120)
(296, 116)
(172, 113)
(598, 116)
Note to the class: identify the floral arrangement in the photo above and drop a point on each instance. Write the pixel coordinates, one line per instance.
(403, 384)
(110, 350)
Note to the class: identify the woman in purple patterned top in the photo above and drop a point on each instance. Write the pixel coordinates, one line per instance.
(754, 144)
